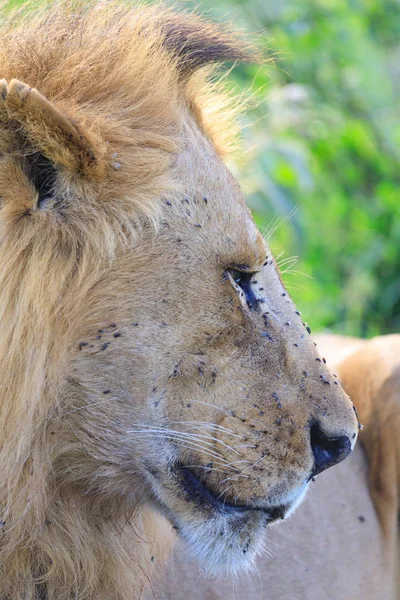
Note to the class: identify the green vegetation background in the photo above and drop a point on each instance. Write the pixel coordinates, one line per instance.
(325, 150)
(326, 139)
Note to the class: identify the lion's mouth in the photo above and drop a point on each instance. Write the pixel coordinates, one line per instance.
(198, 492)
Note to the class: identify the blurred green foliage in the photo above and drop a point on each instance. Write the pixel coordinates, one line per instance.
(326, 152)
(326, 134)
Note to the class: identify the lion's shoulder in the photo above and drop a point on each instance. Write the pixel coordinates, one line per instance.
(371, 376)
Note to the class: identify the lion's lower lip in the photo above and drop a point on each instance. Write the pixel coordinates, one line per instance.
(197, 491)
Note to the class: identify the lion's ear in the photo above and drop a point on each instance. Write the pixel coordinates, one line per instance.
(48, 130)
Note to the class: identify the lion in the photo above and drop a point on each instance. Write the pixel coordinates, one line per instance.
(344, 541)
(157, 380)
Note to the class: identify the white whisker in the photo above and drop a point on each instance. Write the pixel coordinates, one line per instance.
(194, 436)
(199, 424)
(288, 259)
(176, 438)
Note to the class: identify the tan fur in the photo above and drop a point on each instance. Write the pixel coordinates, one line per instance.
(372, 377)
(128, 352)
(336, 348)
(343, 541)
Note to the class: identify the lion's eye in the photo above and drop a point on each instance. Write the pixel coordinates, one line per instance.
(244, 280)
(240, 277)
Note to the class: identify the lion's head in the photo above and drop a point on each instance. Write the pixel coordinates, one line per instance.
(151, 356)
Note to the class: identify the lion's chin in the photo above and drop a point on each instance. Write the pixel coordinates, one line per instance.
(223, 538)
(223, 545)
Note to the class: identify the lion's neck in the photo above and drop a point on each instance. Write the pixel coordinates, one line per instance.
(91, 557)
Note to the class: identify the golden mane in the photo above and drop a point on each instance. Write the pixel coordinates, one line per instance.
(78, 53)
(125, 76)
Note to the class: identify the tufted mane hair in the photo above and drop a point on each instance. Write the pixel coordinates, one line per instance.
(107, 59)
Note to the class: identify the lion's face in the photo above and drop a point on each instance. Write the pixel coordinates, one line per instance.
(197, 388)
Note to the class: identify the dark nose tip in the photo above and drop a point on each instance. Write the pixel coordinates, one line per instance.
(328, 451)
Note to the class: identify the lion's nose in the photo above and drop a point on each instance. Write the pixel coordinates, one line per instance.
(328, 451)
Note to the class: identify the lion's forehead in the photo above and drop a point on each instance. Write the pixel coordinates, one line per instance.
(212, 208)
